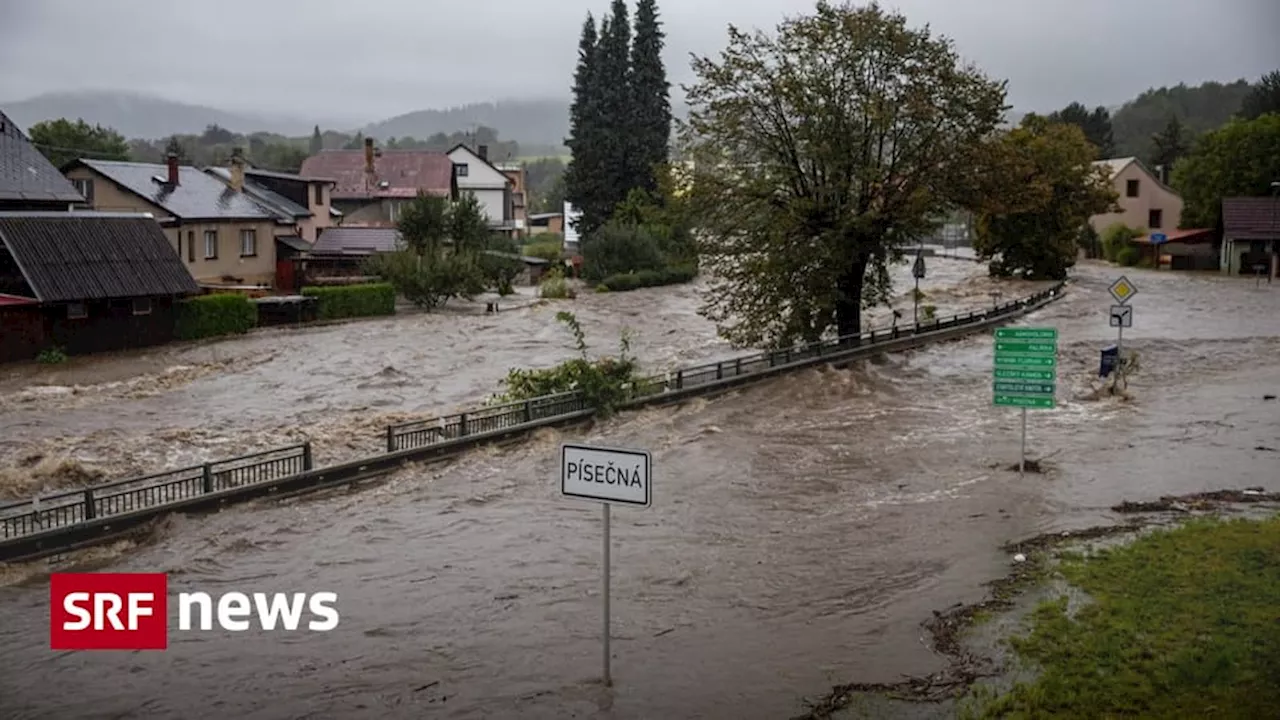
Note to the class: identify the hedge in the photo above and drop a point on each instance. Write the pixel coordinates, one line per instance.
(348, 301)
(213, 315)
(649, 278)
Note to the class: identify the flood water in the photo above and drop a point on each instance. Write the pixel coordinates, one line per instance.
(801, 531)
(337, 385)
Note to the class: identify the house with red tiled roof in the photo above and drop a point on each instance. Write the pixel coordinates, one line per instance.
(1251, 235)
(373, 185)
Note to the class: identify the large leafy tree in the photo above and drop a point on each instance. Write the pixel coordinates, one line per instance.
(651, 106)
(1095, 124)
(1240, 159)
(1043, 190)
(820, 152)
(62, 141)
(1263, 98)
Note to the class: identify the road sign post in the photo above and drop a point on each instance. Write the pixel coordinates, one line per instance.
(1026, 364)
(610, 476)
(1123, 291)
(917, 270)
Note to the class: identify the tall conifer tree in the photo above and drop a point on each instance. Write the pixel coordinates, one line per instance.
(582, 180)
(651, 113)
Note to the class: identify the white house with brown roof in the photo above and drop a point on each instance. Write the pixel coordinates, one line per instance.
(1145, 202)
(491, 186)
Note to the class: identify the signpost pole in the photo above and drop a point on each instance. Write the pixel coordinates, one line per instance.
(1022, 460)
(916, 297)
(608, 675)
(1120, 355)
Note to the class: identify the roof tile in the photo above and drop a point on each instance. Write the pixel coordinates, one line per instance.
(405, 172)
(197, 196)
(25, 174)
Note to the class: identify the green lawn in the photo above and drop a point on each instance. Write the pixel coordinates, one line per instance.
(1181, 623)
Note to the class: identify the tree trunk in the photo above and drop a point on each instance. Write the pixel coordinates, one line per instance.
(849, 303)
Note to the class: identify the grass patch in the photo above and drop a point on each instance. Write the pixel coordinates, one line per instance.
(1181, 623)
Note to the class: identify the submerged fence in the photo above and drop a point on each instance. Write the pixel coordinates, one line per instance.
(23, 524)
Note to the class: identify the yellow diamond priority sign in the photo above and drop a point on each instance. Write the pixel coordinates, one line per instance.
(1123, 290)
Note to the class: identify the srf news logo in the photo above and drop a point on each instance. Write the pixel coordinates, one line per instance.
(130, 611)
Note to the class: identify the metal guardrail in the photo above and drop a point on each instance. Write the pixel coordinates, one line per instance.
(32, 524)
(126, 496)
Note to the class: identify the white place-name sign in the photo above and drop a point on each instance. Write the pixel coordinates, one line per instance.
(611, 475)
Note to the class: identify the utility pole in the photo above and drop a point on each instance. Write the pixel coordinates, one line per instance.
(1275, 241)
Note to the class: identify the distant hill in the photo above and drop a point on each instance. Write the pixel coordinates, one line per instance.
(144, 116)
(1200, 108)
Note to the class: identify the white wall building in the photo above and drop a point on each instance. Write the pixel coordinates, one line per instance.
(476, 175)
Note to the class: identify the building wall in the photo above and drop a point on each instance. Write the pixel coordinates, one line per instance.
(491, 187)
(374, 213)
(492, 202)
(309, 228)
(21, 333)
(1135, 211)
(110, 325)
(259, 270)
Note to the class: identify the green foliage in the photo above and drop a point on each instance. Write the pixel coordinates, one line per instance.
(348, 301)
(928, 312)
(1170, 144)
(317, 141)
(1262, 98)
(548, 247)
(799, 205)
(1179, 624)
(62, 141)
(1199, 108)
(650, 112)
(554, 286)
(544, 179)
(1090, 241)
(1128, 256)
(52, 356)
(648, 278)
(619, 248)
(1116, 238)
(213, 315)
(1044, 190)
(605, 383)
(1240, 159)
(1095, 125)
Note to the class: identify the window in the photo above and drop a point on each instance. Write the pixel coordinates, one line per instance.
(319, 193)
(210, 244)
(1154, 219)
(142, 306)
(85, 188)
(461, 169)
(191, 246)
(1131, 188)
(393, 211)
(77, 311)
(248, 243)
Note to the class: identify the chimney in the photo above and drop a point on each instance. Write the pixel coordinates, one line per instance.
(173, 168)
(483, 152)
(237, 170)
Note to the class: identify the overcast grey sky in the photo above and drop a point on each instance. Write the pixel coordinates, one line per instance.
(369, 60)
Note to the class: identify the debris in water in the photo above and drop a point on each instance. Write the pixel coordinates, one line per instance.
(1268, 397)
(1264, 448)
(1031, 466)
(1019, 558)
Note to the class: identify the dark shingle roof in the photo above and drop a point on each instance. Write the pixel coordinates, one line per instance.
(25, 174)
(294, 242)
(286, 176)
(356, 241)
(1255, 217)
(198, 195)
(405, 172)
(93, 256)
(278, 205)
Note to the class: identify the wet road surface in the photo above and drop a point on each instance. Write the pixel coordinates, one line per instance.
(801, 531)
(337, 385)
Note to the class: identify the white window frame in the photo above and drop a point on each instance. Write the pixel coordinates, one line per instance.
(72, 308)
(210, 235)
(250, 235)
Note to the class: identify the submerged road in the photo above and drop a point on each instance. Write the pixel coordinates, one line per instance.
(801, 531)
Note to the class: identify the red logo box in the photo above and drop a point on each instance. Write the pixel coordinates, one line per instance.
(108, 611)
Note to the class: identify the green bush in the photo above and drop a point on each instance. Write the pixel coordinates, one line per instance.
(51, 356)
(213, 315)
(1116, 238)
(618, 248)
(549, 249)
(349, 301)
(1128, 256)
(648, 278)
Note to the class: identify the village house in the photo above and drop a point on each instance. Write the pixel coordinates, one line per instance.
(542, 223)
(300, 203)
(225, 239)
(519, 197)
(1251, 236)
(491, 186)
(372, 186)
(28, 181)
(1144, 201)
(86, 282)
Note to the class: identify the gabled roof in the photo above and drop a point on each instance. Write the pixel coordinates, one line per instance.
(25, 174)
(278, 205)
(197, 196)
(93, 256)
(476, 155)
(356, 241)
(406, 172)
(1258, 218)
(1117, 165)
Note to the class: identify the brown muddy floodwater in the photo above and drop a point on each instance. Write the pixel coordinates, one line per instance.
(801, 531)
(337, 385)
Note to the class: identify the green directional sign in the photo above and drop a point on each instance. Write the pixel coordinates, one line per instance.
(1024, 369)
